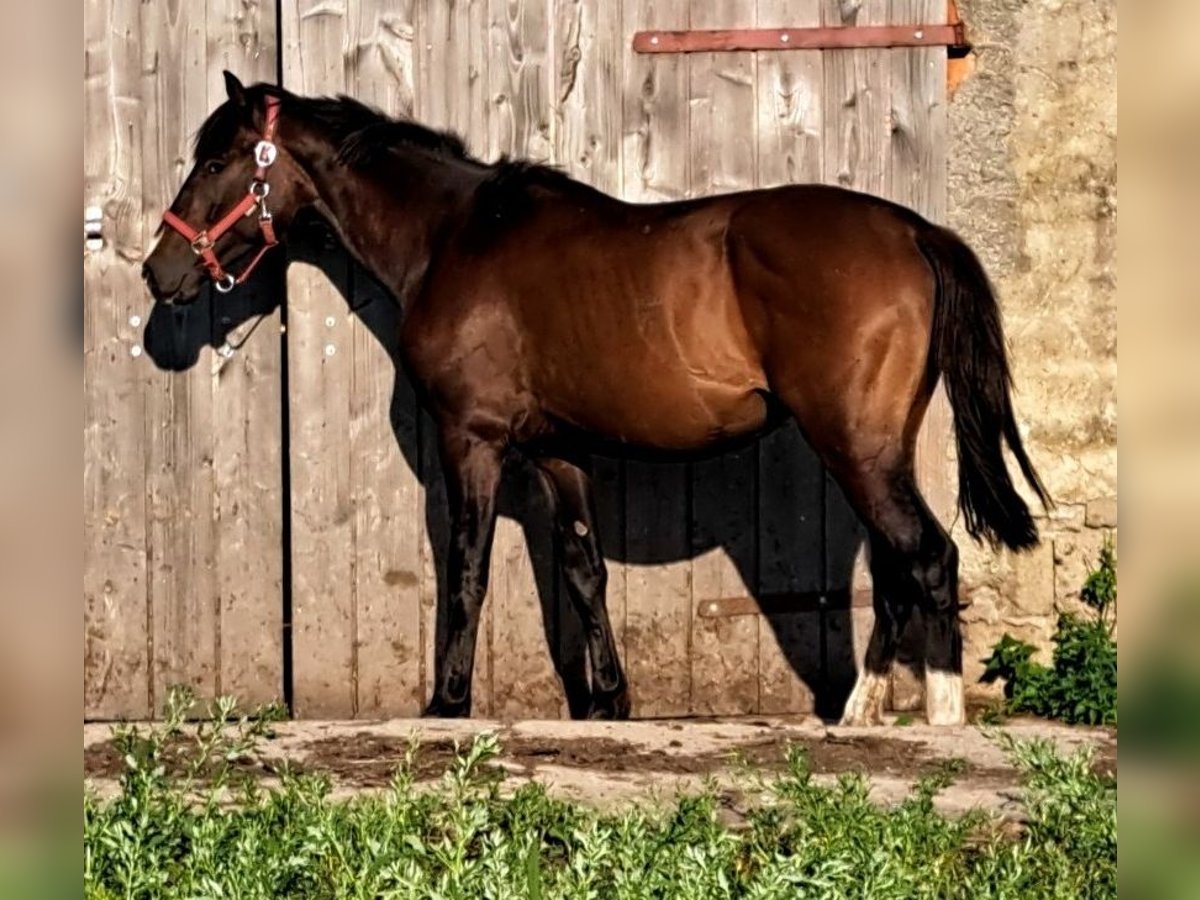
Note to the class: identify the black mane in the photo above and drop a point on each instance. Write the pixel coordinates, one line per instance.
(365, 136)
(362, 133)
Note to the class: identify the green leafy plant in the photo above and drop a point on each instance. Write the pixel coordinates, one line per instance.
(181, 826)
(1080, 686)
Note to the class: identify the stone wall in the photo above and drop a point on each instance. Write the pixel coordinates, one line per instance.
(1033, 176)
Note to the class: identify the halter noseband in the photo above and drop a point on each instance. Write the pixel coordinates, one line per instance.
(202, 241)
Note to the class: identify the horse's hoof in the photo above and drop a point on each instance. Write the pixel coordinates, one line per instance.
(612, 707)
(864, 706)
(440, 708)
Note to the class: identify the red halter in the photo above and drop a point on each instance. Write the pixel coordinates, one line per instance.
(202, 241)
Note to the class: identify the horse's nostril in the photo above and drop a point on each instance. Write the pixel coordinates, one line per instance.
(148, 277)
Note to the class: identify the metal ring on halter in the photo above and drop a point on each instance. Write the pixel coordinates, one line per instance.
(259, 189)
(226, 284)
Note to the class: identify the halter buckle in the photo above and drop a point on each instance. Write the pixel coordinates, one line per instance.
(200, 243)
(259, 189)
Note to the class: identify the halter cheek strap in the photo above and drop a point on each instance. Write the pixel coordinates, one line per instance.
(203, 240)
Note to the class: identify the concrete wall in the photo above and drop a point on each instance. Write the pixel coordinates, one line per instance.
(1033, 176)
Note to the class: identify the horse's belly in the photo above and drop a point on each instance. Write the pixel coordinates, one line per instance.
(653, 352)
(669, 411)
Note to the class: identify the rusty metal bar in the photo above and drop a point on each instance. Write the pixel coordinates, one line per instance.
(853, 37)
(789, 602)
(784, 603)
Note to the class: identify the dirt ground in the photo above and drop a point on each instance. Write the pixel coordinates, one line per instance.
(610, 764)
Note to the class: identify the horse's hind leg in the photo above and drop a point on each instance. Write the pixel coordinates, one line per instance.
(895, 595)
(472, 468)
(913, 560)
(578, 551)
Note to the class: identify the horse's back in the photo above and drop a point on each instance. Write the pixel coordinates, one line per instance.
(648, 324)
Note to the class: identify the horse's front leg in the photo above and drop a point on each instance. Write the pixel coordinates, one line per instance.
(472, 467)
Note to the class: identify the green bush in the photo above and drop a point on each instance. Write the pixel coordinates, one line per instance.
(170, 833)
(1080, 686)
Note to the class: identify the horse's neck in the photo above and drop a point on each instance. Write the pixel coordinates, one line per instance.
(389, 214)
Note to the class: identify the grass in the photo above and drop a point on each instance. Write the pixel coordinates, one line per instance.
(184, 826)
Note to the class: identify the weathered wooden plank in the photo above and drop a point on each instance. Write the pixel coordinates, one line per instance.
(658, 611)
(248, 510)
(589, 62)
(916, 173)
(790, 102)
(724, 652)
(320, 359)
(452, 47)
(180, 406)
(791, 535)
(654, 113)
(380, 59)
(588, 57)
(856, 99)
(524, 681)
(207, 446)
(323, 520)
(916, 177)
(844, 632)
(791, 547)
(247, 443)
(388, 499)
(116, 662)
(856, 92)
(658, 589)
(722, 150)
(390, 516)
(434, 47)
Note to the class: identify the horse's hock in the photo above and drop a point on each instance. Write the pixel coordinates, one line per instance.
(737, 585)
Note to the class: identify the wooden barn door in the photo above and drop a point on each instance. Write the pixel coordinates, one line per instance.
(182, 471)
(369, 511)
(737, 585)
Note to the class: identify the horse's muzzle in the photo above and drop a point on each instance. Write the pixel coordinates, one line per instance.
(168, 296)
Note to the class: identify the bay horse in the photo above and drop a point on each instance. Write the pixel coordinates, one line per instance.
(542, 317)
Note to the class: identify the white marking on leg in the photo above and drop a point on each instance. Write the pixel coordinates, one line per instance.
(865, 705)
(944, 697)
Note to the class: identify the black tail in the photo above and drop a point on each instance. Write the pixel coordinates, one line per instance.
(968, 350)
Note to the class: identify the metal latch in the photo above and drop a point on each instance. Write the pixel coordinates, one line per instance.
(93, 228)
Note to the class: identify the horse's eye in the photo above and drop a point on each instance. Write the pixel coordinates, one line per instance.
(213, 166)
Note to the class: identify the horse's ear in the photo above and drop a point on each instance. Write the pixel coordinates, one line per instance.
(235, 89)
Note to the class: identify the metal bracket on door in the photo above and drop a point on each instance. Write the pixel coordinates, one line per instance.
(93, 228)
(856, 37)
(953, 36)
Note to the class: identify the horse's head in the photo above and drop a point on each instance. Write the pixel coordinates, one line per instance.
(236, 203)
